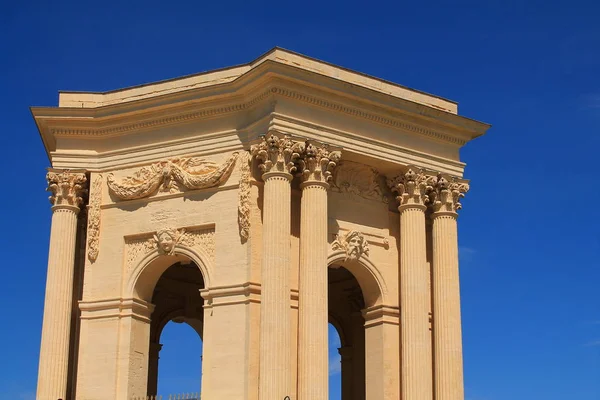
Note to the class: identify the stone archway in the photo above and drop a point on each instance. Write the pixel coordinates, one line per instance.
(176, 297)
(368, 323)
(149, 285)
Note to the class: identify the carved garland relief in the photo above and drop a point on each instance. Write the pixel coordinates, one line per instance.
(170, 176)
(166, 241)
(94, 219)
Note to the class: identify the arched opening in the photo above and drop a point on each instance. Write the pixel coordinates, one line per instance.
(346, 302)
(335, 363)
(179, 367)
(178, 303)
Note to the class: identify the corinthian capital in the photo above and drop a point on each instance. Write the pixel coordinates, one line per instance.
(446, 192)
(276, 153)
(67, 187)
(411, 188)
(316, 162)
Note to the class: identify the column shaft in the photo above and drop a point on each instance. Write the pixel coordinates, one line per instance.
(416, 357)
(313, 363)
(54, 351)
(275, 338)
(446, 309)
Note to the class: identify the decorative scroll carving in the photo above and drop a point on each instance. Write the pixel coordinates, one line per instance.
(445, 193)
(136, 248)
(191, 173)
(244, 196)
(167, 241)
(412, 187)
(93, 231)
(67, 187)
(359, 180)
(315, 162)
(353, 243)
(276, 154)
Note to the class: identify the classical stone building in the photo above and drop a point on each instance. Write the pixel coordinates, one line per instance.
(256, 203)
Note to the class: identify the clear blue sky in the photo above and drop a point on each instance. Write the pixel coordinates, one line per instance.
(529, 230)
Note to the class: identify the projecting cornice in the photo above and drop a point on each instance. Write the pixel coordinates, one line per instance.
(277, 75)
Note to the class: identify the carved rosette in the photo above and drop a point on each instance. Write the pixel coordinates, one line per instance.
(445, 193)
(170, 175)
(353, 243)
(315, 163)
(67, 187)
(93, 231)
(411, 188)
(244, 196)
(276, 154)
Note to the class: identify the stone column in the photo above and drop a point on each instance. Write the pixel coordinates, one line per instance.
(67, 188)
(415, 336)
(153, 357)
(274, 155)
(448, 364)
(346, 362)
(315, 165)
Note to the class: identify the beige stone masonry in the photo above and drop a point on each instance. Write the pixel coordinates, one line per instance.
(445, 202)
(416, 356)
(316, 163)
(275, 157)
(67, 188)
(219, 200)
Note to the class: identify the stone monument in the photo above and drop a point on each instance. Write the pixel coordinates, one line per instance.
(258, 204)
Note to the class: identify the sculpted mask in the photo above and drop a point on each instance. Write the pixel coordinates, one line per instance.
(167, 239)
(353, 243)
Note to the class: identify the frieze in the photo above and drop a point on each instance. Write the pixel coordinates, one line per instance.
(358, 180)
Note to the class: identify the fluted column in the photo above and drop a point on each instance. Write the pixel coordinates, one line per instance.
(67, 188)
(315, 165)
(415, 336)
(448, 364)
(274, 155)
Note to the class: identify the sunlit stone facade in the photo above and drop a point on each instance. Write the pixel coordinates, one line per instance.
(256, 203)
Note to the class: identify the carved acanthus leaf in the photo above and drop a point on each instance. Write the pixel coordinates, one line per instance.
(353, 243)
(244, 196)
(67, 187)
(190, 173)
(276, 153)
(315, 162)
(93, 232)
(411, 187)
(359, 180)
(445, 193)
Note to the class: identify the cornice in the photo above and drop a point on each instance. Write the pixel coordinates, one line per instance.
(97, 129)
(267, 82)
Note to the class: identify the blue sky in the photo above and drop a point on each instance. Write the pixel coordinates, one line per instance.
(529, 230)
